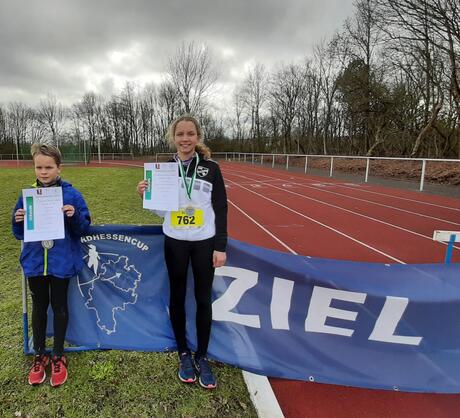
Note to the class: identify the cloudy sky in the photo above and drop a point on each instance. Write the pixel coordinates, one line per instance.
(65, 47)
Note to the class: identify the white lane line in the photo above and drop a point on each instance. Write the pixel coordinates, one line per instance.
(354, 198)
(370, 191)
(262, 227)
(397, 197)
(319, 223)
(430, 238)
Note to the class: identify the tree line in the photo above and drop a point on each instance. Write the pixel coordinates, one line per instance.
(387, 83)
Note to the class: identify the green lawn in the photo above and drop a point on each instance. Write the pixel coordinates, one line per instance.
(105, 383)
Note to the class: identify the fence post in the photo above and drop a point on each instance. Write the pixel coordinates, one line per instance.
(287, 162)
(306, 163)
(273, 161)
(332, 167)
(422, 177)
(367, 170)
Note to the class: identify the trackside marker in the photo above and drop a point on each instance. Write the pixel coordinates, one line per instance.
(451, 237)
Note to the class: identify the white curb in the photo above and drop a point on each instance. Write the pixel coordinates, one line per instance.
(262, 396)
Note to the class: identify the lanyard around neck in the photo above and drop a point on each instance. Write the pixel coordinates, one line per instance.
(189, 185)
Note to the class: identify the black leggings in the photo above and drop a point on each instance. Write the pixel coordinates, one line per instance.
(178, 253)
(44, 288)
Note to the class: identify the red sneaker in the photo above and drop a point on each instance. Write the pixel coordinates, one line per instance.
(58, 371)
(37, 372)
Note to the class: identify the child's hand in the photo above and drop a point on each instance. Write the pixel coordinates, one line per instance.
(19, 215)
(218, 259)
(69, 210)
(141, 187)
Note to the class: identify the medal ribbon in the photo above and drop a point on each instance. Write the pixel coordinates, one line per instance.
(189, 185)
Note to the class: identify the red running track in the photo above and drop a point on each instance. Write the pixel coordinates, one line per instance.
(332, 219)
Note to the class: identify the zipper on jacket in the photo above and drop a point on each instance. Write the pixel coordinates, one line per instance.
(45, 262)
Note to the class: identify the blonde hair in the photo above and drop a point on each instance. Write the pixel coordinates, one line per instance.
(48, 150)
(201, 148)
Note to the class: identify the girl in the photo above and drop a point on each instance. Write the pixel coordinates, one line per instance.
(202, 242)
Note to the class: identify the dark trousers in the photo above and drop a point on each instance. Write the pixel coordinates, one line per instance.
(43, 290)
(178, 253)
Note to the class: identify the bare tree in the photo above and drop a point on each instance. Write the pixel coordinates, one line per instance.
(328, 68)
(193, 74)
(51, 114)
(253, 94)
(85, 111)
(240, 119)
(18, 115)
(429, 32)
(287, 87)
(358, 42)
(36, 129)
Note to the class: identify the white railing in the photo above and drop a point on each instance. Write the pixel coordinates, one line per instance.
(69, 156)
(9, 157)
(104, 156)
(286, 159)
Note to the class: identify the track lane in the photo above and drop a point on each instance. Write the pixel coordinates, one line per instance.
(445, 212)
(306, 235)
(355, 222)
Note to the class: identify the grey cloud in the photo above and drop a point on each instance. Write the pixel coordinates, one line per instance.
(77, 34)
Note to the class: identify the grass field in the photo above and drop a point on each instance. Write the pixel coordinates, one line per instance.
(104, 383)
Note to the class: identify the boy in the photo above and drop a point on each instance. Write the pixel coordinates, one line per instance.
(49, 265)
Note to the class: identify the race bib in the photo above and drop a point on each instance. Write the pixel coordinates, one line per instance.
(187, 219)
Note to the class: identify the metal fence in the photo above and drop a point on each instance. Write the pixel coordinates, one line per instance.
(333, 163)
(66, 157)
(365, 166)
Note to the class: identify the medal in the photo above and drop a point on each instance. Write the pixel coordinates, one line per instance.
(48, 244)
(189, 184)
(190, 211)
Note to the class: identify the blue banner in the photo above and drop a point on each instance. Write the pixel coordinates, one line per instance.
(359, 324)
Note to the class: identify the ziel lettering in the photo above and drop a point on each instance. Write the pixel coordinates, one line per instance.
(319, 309)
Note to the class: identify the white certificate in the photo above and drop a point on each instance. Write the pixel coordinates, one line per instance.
(162, 192)
(44, 219)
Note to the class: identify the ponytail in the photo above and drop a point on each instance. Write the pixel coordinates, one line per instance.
(201, 148)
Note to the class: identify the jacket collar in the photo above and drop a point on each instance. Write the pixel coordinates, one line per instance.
(56, 183)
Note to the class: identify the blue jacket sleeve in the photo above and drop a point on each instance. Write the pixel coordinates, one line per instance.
(18, 227)
(81, 220)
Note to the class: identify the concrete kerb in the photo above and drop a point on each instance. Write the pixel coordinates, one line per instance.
(262, 396)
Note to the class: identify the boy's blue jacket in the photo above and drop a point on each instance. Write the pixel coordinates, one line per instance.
(65, 258)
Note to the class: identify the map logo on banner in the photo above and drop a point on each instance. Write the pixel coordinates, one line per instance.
(119, 274)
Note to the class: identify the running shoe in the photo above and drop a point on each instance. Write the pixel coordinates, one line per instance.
(58, 370)
(37, 373)
(207, 379)
(186, 370)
